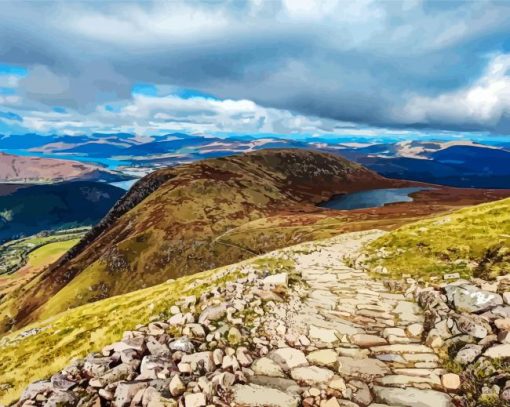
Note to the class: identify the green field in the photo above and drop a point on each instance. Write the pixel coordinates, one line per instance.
(473, 241)
(17, 253)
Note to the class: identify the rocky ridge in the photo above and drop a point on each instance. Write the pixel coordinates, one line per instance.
(302, 328)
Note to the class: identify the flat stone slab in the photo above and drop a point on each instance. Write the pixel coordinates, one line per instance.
(362, 368)
(288, 358)
(324, 357)
(411, 397)
(311, 375)
(401, 348)
(253, 395)
(367, 341)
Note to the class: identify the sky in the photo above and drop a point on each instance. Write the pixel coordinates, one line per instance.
(289, 67)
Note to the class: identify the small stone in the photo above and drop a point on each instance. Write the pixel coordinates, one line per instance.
(450, 381)
(288, 358)
(267, 367)
(281, 279)
(234, 336)
(503, 323)
(182, 344)
(337, 383)
(468, 354)
(176, 386)
(323, 357)
(195, 400)
(498, 351)
(414, 330)
(367, 341)
(213, 313)
(504, 337)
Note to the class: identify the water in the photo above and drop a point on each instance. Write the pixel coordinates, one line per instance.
(371, 198)
(110, 163)
(124, 184)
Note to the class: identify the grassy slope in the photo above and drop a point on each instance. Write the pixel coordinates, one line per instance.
(173, 231)
(470, 241)
(48, 253)
(88, 328)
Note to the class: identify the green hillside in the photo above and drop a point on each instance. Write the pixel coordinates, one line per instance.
(473, 241)
(48, 346)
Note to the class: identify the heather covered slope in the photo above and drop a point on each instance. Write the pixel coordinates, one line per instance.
(473, 241)
(167, 225)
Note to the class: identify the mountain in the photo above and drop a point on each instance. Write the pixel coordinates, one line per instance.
(30, 209)
(458, 165)
(21, 169)
(171, 222)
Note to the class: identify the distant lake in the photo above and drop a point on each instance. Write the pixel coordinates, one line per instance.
(125, 184)
(371, 198)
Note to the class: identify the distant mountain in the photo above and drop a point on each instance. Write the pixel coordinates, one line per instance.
(20, 169)
(30, 209)
(455, 163)
(170, 223)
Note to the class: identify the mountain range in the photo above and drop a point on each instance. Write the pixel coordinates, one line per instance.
(455, 163)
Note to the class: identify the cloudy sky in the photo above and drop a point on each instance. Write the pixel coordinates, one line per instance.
(289, 67)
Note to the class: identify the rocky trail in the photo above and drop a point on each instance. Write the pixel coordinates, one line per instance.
(298, 327)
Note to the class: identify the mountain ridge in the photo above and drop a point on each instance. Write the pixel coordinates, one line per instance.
(165, 227)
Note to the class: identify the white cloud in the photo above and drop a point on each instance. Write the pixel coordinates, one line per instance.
(485, 103)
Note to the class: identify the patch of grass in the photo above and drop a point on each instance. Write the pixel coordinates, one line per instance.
(51, 251)
(471, 241)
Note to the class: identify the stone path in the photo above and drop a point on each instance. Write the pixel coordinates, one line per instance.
(369, 337)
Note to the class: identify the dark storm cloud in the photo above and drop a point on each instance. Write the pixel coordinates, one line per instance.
(391, 64)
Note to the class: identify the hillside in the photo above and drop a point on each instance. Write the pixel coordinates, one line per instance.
(21, 169)
(167, 225)
(31, 209)
(474, 241)
(270, 314)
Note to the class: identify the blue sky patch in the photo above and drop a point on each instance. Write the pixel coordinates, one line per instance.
(193, 93)
(11, 116)
(13, 70)
(145, 89)
(7, 91)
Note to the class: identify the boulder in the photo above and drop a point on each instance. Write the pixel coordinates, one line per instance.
(473, 325)
(469, 298)
(468, 354)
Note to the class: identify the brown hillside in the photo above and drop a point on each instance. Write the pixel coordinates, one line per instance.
(171, 222)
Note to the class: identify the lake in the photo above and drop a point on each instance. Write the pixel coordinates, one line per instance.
(371, 198)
